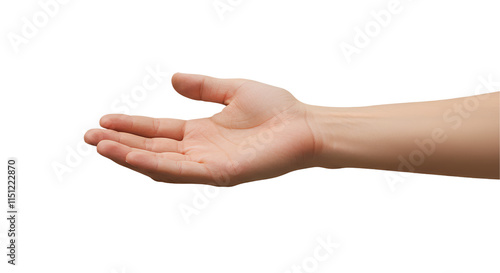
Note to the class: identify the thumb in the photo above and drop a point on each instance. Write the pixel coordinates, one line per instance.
(199, 87)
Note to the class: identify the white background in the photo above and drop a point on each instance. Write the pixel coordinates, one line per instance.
(101, 217)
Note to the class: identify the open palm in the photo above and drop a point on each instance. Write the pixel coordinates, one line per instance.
(261, 133)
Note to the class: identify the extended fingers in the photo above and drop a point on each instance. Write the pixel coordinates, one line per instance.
(145, 126)
(183, 171)
(94, 136)
(118, 152)
(168, 167)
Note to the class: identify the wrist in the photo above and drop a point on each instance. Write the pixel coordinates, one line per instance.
(348, 137)
(329, 127)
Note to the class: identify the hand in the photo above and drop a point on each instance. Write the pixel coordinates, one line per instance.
(261, 133)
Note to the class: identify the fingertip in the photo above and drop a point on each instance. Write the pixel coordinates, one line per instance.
(134, 158)
(178, 79)
(107, 147)
(176, 76)
(113, 150)
(103, 147)
(91, 137)
(107, 120)
(140, 160)
(130, 158)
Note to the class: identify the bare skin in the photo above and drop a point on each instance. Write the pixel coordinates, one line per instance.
(265, 132)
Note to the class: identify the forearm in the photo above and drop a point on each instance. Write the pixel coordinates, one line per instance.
(450, 137)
